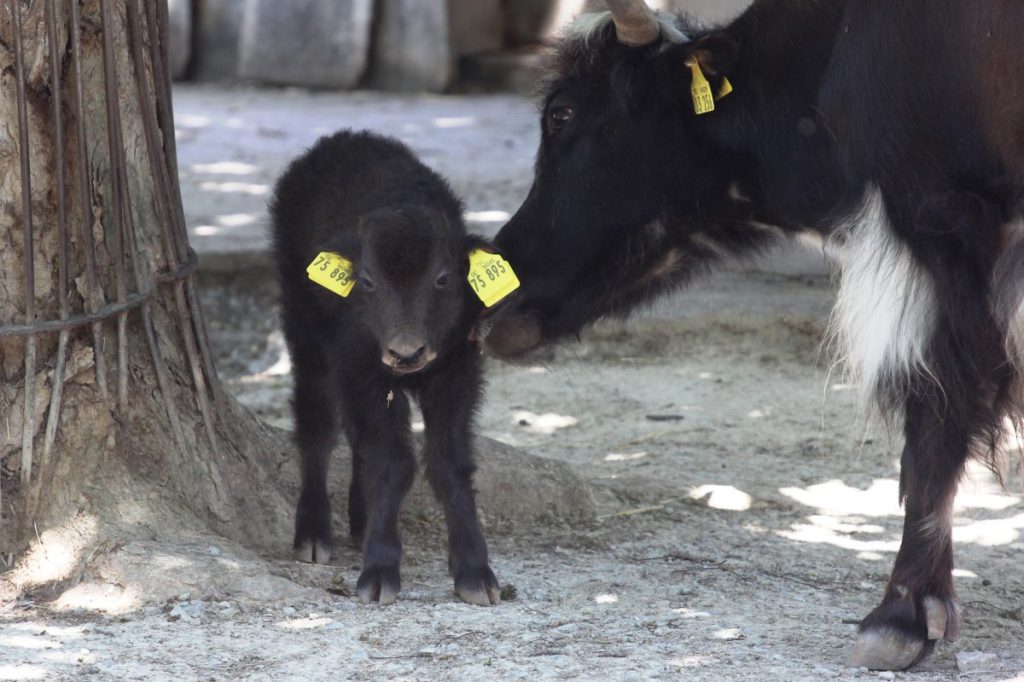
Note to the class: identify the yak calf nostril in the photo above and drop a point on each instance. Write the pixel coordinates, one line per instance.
(407, 355)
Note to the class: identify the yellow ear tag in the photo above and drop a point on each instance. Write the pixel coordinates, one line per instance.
(703, 100)
(491, 276)
(333, 272)
(725, 90)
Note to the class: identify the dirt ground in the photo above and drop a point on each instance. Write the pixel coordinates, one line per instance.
(746, 518)
(746, 514)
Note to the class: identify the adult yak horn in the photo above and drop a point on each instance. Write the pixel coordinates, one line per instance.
(635, 23)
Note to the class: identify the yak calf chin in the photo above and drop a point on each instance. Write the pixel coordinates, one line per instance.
(403, 330)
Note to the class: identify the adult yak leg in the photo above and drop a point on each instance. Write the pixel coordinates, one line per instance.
(382, 452)
(449, 404)
(951, 394)
(920, 606)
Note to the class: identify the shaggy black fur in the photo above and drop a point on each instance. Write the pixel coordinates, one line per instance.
(404, 331)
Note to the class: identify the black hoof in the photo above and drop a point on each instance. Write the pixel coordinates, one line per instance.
(379, 584)
(313, 551)
(902, 632)
(313, 529)
(478, 586)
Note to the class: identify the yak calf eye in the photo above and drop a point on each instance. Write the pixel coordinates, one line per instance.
(366, 283)
(442, 281)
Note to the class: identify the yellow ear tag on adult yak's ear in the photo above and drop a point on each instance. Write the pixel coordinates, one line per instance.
(491, 276)
(333, 272)
(703, 100)
(725, 90)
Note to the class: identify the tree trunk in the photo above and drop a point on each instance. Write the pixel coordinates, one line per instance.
(98, 413)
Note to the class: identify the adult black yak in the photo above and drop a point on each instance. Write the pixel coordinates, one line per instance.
(892, 129)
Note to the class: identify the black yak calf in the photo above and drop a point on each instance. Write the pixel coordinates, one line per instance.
(374, 262)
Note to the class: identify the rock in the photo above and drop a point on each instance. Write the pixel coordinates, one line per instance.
(528, 22)
(312, 43)
(512, 484)
(976, 661)
(411, 48)
(476, 26)
(180, 30)
(187, 611)
(519, 71)
(218, 29)
(708, 10)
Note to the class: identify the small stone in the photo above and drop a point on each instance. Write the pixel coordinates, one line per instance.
(976, 661)
(288, 611)
(360, 656)
(184, 596)
(887, 675)
(214, 550)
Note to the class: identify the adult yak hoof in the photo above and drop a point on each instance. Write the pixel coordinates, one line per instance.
(903, 630)
(478, 586)
(379, 584)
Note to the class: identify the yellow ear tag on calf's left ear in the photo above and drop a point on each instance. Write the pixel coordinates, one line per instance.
(703, 100)
(333, 272)
(491, 277)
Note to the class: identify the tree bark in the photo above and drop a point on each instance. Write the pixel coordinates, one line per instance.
(132, 404)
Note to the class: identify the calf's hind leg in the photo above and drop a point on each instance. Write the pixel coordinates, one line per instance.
(316, 434)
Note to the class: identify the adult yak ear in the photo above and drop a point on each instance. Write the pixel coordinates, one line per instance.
(716, 53)
(699, 70)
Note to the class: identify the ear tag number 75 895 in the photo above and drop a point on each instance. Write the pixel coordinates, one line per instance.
(333, 272)
(491, 277)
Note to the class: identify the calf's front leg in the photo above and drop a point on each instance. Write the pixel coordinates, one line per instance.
(449, 405)
(384, 454)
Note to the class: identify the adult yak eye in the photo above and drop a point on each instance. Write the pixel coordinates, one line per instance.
(559, 117)
(442, 281)
(366, 283)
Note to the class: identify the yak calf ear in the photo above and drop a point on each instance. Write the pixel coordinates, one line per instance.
(346, 244)
(716, 53)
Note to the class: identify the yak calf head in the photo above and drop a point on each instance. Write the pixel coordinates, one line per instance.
(411, 294)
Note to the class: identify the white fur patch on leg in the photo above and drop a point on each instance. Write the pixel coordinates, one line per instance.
(885, 312)
(1008, 289)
